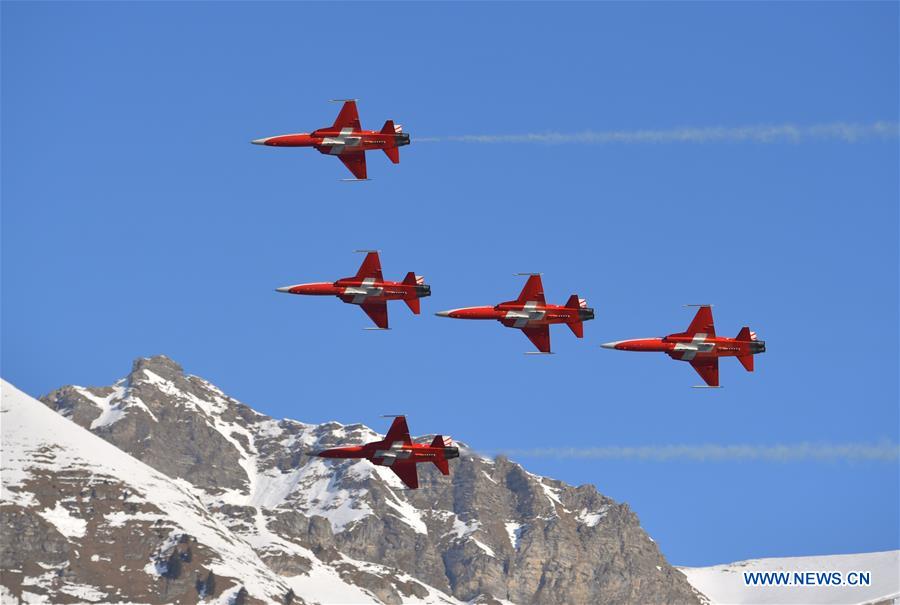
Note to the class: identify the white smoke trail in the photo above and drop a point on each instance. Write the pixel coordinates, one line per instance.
(843, 132)
(882, 452)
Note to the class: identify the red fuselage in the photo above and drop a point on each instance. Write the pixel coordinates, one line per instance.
(516, 315)
(400, 453)
(531, 313)
(687, 347)
(355, 290)
(383, 454)
(331, 141)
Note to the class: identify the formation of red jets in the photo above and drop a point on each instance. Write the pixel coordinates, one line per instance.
(533, 315)
(698, 345)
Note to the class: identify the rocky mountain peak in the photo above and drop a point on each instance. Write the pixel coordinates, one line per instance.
(160, 365)
(491, 531)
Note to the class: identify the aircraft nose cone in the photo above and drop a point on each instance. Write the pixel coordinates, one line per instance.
(259, 141)
(610, 345)
(443, 313)
(285, 289)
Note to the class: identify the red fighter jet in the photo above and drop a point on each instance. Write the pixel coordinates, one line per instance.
(346, 140)
(398, 452)
(369, 290)
(531, 313)
(700, 346)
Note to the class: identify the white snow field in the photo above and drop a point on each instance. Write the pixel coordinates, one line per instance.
(37, 439)
(724, 584)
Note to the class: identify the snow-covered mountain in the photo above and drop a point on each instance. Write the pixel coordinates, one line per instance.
(162, 489)
(725, 584)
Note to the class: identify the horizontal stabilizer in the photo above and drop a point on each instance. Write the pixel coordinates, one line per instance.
(577, 328)
(393, 153)
(413, 304)
(442, 465)
(746, 361)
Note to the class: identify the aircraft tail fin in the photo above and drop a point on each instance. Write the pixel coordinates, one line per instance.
(392, 151)
(746, 334)
(441, 441)
(440, 461)
(412, 279)
(391, 128)
(576, 303)
(746, 361)
(577, 328)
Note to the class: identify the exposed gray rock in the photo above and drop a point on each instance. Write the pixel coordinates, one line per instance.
(490, 531)
(160, 422)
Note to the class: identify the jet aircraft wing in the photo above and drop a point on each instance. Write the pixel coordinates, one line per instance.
(398, 432)
(533, 291)
(370, 267)
(407, 473)
(348, 117)
(708, 368)
(377, 311)
(356, 162)
(540, 336)
(702, 323)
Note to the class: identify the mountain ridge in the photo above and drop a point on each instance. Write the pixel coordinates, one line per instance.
(328, 532)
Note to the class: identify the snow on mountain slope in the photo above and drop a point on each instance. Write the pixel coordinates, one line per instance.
(332, 530)
(38, 443)
(724, 584)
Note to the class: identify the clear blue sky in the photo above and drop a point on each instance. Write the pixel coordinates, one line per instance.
(137, 219)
